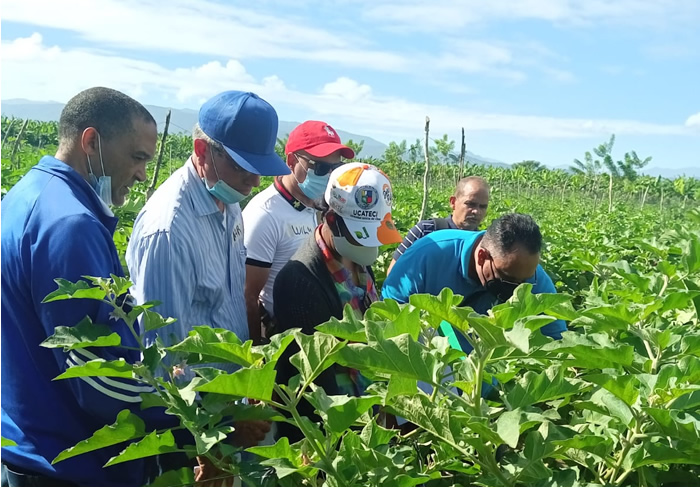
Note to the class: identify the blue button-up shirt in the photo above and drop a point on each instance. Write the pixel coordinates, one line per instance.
(187, 254)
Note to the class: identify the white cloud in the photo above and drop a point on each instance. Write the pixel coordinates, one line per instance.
(693, 121)
(202, 27)
(453, 15)
(347, 89)
(349, 103)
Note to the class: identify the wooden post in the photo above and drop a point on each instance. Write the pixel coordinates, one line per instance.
(19, 138)
(462, 155)
(426, 175)
(644, 196)
(7, 132)
(154, 181)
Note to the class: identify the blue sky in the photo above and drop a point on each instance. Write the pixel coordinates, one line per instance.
(528, 79)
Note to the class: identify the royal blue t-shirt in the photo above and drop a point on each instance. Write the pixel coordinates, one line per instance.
(441, 260)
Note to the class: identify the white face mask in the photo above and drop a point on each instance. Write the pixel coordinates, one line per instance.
(103, 184)
(364, 256)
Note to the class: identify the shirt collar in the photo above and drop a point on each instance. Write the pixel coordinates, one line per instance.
(288, 197)
(61, 169)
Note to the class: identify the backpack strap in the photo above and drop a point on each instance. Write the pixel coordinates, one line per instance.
(442, 224)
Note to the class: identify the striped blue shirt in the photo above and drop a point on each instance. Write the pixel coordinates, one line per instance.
(187, 254)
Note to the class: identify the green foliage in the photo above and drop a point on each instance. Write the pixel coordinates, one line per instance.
(615, 402)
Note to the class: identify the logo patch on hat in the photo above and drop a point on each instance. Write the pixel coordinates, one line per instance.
(388, 196)
(366, 197)
(329, 130)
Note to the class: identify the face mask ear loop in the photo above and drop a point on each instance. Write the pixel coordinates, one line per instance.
(99, 147)
(213, 163)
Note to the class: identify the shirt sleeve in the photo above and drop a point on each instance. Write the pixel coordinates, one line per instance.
(78, 246)
(544, 285)
(405, 279)
(260, 235)
(413, 235)
(162, 269)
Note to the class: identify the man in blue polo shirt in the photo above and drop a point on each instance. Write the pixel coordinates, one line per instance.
(485, 267)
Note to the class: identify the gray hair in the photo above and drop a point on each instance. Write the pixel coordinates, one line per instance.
(198, 133)
(478, 180)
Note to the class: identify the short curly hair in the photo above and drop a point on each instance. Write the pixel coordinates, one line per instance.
(513, 231)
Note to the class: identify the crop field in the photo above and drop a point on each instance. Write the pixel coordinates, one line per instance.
(615, 402)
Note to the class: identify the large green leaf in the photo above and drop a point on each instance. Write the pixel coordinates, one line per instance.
(255, 383)
(340, 411)
(508, 427)
(519, 336)
(349, 328)
(400, 356)
(687, 401)
(374, 435)
(127, 427)
(524, 303)
(85, 334)
(624, 387)
(594, 444)
(534, 452)
(316, 353)
(691, 255)
(217, 346)
(595, 351)
(649, 453)
(206, 439)
(438, 308)
(152, 321)
(677, 424)
(548, 385)
(80, 289)
(99, 367)
(439, 421)
(277, 345)
(151, 445)
(602, 401)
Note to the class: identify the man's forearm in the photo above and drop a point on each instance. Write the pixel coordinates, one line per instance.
(254, 326)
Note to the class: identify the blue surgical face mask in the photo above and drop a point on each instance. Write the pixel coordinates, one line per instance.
(103, 184)
(313, 186)
(221, 190)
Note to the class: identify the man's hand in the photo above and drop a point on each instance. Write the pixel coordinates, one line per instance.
(206, 474)
(250, 433)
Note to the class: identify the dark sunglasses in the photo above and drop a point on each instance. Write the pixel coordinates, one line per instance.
(514, 284)
(320, 168)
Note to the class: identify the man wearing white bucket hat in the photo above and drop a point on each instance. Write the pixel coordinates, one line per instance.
(332, 269)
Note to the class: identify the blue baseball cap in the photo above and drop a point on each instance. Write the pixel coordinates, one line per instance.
(246, 125)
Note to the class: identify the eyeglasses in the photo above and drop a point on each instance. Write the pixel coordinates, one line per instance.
(320, 168)
(494, 269)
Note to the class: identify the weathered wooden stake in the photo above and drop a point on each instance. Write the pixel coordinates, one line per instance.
(154, 181)
(462, 155)
(426, 175)
(19, 138)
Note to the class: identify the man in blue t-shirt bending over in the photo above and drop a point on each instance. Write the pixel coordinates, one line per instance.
(485, 267)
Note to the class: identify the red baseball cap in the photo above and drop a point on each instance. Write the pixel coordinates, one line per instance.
(318, 139)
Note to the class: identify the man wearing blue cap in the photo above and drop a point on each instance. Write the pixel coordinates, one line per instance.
(187, 250)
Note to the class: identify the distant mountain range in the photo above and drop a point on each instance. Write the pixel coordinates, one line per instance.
(655, 171)
(183, 120)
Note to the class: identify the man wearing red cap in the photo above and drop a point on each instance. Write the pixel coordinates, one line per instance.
(282, 216)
